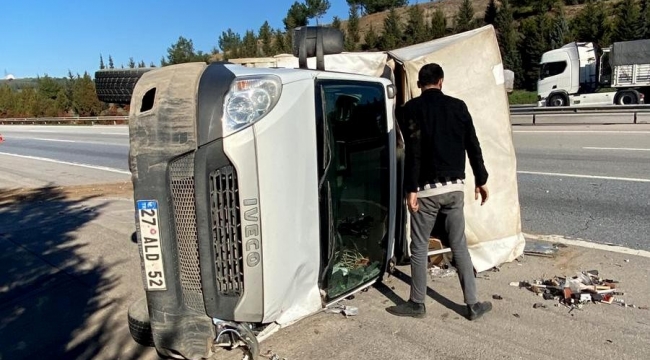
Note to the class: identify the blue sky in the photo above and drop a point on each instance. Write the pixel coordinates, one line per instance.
(54, 36)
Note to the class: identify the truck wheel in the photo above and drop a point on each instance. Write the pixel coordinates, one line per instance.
(116, 85)
(627, 98)
(139, 325)
(557, 100)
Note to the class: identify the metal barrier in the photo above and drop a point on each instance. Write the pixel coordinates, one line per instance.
(637, 113)
(94, 120)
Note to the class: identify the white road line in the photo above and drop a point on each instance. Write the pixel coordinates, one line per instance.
(610, 148)
(56, 140)
(114, 133)
(104, 168)
(580, 132)
(584, 176)
(590, 245)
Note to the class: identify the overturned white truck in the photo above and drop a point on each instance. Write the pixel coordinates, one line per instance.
(266, 194)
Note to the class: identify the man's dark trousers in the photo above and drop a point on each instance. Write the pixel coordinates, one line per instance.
(422, 223)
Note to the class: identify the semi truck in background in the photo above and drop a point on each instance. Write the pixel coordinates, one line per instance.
(576, 74)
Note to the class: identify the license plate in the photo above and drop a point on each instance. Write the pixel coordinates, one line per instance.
(154, 273)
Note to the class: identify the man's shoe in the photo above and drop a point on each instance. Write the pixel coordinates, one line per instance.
(477, 310)
(408, 309)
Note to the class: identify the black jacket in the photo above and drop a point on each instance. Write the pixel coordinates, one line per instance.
(438, 130)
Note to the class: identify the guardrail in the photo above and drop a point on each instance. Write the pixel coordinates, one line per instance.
(520, 115)
(94, 120)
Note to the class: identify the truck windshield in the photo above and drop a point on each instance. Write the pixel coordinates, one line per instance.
(357, 181)
(552, 69)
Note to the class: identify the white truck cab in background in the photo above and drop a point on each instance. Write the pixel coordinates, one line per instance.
(573, 74)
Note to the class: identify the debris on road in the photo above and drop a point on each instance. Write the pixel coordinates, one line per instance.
(541, 248)
(438, 272)
(574, 292)
(516, 315)
(271, 356)
(497, 297)
(539, 306)
(346, 310)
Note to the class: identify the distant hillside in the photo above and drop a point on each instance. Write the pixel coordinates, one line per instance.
(18, 84)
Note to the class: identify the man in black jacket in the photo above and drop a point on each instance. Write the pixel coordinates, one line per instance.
(438, 131)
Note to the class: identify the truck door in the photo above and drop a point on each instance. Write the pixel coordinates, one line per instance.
(355, 187)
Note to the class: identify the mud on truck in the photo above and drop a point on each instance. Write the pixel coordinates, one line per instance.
(266, 194)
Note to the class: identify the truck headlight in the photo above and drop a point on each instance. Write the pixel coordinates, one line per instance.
(248, 100)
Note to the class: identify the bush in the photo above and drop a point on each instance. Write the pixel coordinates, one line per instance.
(522, 97)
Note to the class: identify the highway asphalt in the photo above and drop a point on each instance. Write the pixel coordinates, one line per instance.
(580, 181)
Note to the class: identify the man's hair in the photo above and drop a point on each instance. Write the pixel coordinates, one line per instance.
(430, 74)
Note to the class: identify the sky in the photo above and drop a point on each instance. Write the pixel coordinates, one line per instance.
(50, 37)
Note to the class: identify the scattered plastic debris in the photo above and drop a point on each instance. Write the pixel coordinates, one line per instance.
(540, 248)
(497, 297)
(272, 356)
(574, 292)
(539, 306)
(516, 315)
(439, 272)
(346, 310)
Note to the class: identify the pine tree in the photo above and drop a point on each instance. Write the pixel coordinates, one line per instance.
(101, 62)
(297, 15)
(629, 24)
(508, 39)
(336, 23)
(279, 45)
(230, 42)
(141, 64)
(490, 13)
(352, 34)
(438, 26)
(317, 8)
(63, 103)
(181, 52)
(645, 17)
(591, 24)
(131, 63)
(371, 40)
(249, 45)
(375, 6)
(266, 36)
(392, 36)
(560, 30)
(84, 99)
(110, 62)
(464, 20)
(415, 31)
(535, 32)
(151, 64)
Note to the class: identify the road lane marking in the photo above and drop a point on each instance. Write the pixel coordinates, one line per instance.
(580, 132)
(584, 176)
(104, 168)
(588, 244)
(114, 133)
(56, 140)
(611, 148)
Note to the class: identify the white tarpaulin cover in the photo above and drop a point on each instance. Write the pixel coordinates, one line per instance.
(474, 73)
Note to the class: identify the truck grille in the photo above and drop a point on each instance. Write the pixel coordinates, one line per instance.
(226, 231)
(181, 174)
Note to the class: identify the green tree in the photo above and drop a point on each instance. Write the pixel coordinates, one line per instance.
(317, 8)
(131, 63)
(591, 24)
(535, 32)
(63, 103)
(47, 87)
(645, 18)
(392, 36)
(508, 39)
(629, 25)
(7, 101)
(490, 13)
(141, 64)
(84, 99)
(464, 19)
(559, 34)
(101, 62)
(151, 64)
(230, 42)
(336, 23)
(266, 37)
(438, 25)
(279, 43)
(375, 6)
(183, 52)
(416, 30)
(352, 37)
(371, 40)
(297, 15)
(110, 62)
(249, 45)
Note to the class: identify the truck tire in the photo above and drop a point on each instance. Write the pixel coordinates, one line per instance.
(116, 85)
(627, 97)
(139, 324)
(557, 100)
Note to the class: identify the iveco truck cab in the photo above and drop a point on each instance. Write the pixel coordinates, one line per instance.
(265, 194)
(574, 74)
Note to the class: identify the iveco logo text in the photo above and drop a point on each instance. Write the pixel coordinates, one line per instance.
(252, 232)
